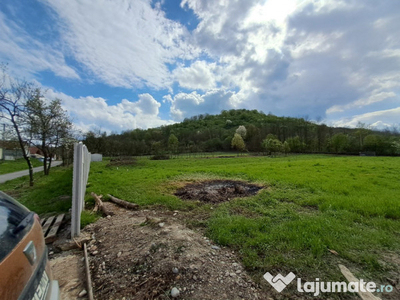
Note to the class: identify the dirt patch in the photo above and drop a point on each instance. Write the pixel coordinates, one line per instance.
(215, 191)
(122, 161)
(68, 269)
(145, 254)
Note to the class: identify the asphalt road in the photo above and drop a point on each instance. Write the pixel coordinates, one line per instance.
(11, 176)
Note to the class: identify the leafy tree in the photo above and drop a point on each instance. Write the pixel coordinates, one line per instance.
(285, 147)
(47, 124)
(242, 131)
(295, 144)
(237, 142)
(272, 145)
(339, 142)
(361, 132)
(173, 143)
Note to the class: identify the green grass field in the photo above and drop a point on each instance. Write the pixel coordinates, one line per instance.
(9, 166)
(311, 204)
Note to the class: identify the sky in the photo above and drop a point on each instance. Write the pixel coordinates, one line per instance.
(125, 64)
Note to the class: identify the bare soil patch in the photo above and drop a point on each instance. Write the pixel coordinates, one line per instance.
(145, 254)
(215, 191)
(68, 269)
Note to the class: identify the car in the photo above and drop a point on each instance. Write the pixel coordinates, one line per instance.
(25, 272)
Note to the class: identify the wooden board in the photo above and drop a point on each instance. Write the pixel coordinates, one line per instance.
(351, 278)
(47, 224)
(52, 234)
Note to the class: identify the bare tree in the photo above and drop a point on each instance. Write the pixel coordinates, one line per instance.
(13, 95)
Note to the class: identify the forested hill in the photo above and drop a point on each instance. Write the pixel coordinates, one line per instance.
(215, 133)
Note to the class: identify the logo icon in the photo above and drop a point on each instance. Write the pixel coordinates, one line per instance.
(279, 282)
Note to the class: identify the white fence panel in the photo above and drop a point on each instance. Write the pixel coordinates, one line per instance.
(79, 182)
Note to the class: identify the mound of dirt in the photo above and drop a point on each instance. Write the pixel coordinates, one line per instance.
(145, 254)
(217, 190)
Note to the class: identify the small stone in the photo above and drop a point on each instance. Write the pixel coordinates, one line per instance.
(51, 252)
(234, 264)
(95, 252)
(83, 293)
(174, 292)
(238, 271)
(194, 277)
(119, 254)
(161, 225)
(232, 274)
(175, 270)
(109, 217)
(215, 247)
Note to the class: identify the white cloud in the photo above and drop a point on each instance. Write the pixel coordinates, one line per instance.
(189, 104)
(91, 112)
(198, 76)
(123, 43)
(146, 105)
(302, 57)
(28, 55)
(374, 98)
(377, 119)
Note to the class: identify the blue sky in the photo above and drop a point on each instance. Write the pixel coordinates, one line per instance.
(124, 64)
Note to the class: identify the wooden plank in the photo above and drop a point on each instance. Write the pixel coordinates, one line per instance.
(51, 236)
(46, 225)
(351, 278)
(88, 277)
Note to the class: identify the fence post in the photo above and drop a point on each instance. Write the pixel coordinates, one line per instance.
(81, 169)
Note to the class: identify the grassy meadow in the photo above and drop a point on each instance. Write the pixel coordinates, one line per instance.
(310, 204)
(10, 166)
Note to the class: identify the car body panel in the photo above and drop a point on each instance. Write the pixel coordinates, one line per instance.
(16, 267)
(25, 271)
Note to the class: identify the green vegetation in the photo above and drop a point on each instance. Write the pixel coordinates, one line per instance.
(49, 194)
(9, 166)
(209, 133)
(310, 204)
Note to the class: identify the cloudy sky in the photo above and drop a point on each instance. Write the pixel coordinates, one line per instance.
(125, 64)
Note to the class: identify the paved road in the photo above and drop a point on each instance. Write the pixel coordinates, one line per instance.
(11, 176)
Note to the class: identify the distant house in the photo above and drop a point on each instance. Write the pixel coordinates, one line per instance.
(35, 152)
(10, 150)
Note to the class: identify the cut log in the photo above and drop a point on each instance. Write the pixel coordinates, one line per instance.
(123, 203)
(100, 205)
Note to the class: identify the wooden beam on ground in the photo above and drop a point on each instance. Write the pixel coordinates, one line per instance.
(51, 236)
(88, 277)
(100, 205)
(351, 278)
(123, 203)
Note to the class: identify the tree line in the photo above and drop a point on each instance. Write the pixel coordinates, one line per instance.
(35, 120)
(245, 131)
